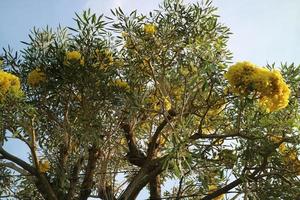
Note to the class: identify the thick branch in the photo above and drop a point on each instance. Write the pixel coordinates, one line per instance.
(106, 193)
(146, 173)
(87, 184)
(19, 162)
(155, 188)
(42, 182)
(74, 179)
(135, 156)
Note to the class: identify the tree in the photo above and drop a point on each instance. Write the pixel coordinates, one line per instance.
(133, 101)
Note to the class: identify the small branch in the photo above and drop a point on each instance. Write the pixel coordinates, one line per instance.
(153, 143)
(32, 147)
(18, 161)
(13, 166)
(106, 193)
(238, 181)
(135, 156)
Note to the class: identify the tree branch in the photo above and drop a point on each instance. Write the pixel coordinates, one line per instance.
(19, 162)
(146, 173)
(74, 179)
(155, 188)
(135, 156)
(13, 166)
(87, 184)
(238, 181)
(153, 143)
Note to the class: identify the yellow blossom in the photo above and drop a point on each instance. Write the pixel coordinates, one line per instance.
(184, 71)
(9, 84)
(121, 84)
(74, 56)
(167, 103)
(123, 141)
(212, 188)
(269, 86)
(158, 104)
(275, 138)
(36, 77)
(44, 166)
(282, 148)
(150, 29)
(208, 130)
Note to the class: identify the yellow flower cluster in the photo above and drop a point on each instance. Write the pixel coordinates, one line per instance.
(105, 58)
(159, 104)
(150, 29)
(36, 77)
(268, 86)
(122, 84)
(290, 158)
(73, 56)
(212, 188)
(44, 166)
(9, 83)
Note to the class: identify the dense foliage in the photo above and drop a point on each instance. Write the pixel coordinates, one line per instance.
(122, 103)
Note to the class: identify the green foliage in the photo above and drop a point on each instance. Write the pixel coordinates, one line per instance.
(144, 96)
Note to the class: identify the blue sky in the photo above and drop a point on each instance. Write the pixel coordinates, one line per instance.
(263, 31)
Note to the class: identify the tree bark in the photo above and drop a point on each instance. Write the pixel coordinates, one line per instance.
(155, 188)
(87, 184)
(41, 183)
(147, 172)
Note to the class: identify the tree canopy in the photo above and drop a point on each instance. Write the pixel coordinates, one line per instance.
(129, 102)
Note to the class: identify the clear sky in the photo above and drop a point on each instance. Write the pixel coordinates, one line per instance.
(263, 31)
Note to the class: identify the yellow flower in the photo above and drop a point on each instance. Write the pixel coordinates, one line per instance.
(275, 138)
(9, 84)
(36, 77)
(74, 56)
(184, 71)
(269, 86)
(123, 141)
(121, 84)
(150, 29)
(167, 103)
(159, 104)
(208, 130)
(124, 34)
(44, 166)
(212, 188)
(282, 148)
